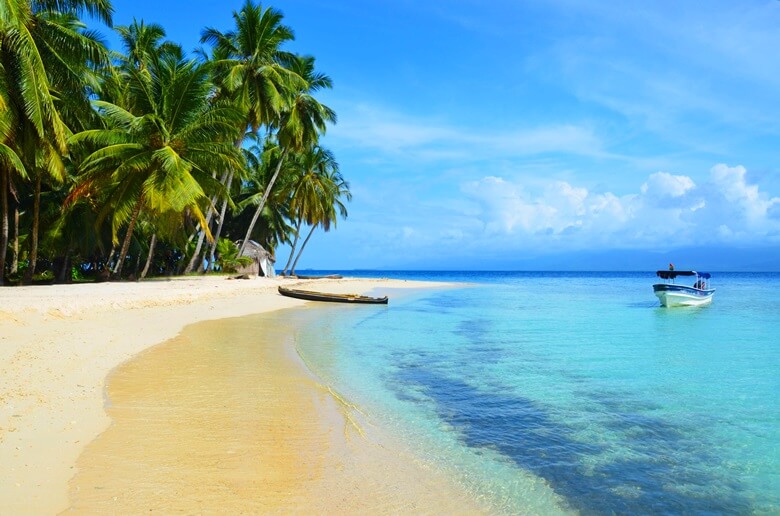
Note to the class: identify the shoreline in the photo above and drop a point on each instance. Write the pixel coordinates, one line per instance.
(59, 344)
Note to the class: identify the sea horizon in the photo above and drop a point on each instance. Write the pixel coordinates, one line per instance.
(416, 272)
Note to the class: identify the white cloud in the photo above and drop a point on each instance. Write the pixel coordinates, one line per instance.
(663, 184)
(754, 205)
(667, 210)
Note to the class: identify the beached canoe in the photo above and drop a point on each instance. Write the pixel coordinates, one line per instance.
(309, 295)
(329, 276)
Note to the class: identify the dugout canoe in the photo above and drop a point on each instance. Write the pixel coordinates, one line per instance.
(309, 295)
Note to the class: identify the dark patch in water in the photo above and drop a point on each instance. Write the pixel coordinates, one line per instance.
(480, 344)
(666, 473)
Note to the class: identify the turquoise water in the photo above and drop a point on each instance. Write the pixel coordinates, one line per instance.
(573, 392)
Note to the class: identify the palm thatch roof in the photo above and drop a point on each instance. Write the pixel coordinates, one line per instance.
(262, 261)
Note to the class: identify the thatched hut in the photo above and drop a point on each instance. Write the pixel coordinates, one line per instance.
(262, 261)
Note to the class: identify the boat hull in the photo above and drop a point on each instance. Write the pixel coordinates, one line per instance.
(680, 295)
(332, 298)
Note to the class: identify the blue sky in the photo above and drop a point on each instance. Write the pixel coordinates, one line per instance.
(509, 134)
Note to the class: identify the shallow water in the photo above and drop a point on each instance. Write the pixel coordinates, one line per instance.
(550, 392)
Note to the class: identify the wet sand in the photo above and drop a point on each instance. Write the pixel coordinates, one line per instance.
(58, 344)
(226, 418)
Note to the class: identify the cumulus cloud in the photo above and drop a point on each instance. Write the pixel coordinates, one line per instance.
(666, 210)
(754, 205)
(663, 184)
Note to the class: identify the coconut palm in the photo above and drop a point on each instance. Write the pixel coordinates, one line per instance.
(249, 71)
(300, 124)
(143, 43)
(9, 162)
(261, 165)
(307, 189)
(248, 62)
(46, 56)
(159, 160)
(321, 199)
(33, 39)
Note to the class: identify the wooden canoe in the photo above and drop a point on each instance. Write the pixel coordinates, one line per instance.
(308, 295)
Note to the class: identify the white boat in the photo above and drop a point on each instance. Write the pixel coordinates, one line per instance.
(670, 294)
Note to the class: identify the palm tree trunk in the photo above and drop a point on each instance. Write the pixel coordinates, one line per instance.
(292, 249)
(128, 237)
(4, 223)
(152, 243)
(15, 243)
(303, 245)
(262, 202)
(109, 257)
(34, 231)
(202, 234)
(137, 267)
(213, 248)
(64, 274)
(196, 254)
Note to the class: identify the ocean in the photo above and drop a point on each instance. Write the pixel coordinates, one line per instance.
(571, 392)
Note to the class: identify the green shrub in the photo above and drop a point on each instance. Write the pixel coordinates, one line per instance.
(228, 258)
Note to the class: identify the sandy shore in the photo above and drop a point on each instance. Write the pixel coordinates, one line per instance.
(59, 343)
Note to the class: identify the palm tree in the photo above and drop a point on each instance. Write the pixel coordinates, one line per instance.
(9, 162)
(248, 62)
(159, 160)
(43, 44)
(324, 192)
(261, 165)
(307, 190)
(143, 43)
(300, 124)
(249, 71)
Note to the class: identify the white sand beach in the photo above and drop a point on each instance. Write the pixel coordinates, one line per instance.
(59, 343)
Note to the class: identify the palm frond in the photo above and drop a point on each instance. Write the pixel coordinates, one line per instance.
(10, 159)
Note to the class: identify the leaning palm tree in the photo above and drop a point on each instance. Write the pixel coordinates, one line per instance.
(249, 72)
(300, 124)
(159, 159)
(307, 190)
(327, 189)
(261, 164)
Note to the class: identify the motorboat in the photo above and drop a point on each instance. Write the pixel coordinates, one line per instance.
(671, 294)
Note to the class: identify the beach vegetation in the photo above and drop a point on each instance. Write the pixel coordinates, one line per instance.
(145, 161)
(229, 260)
